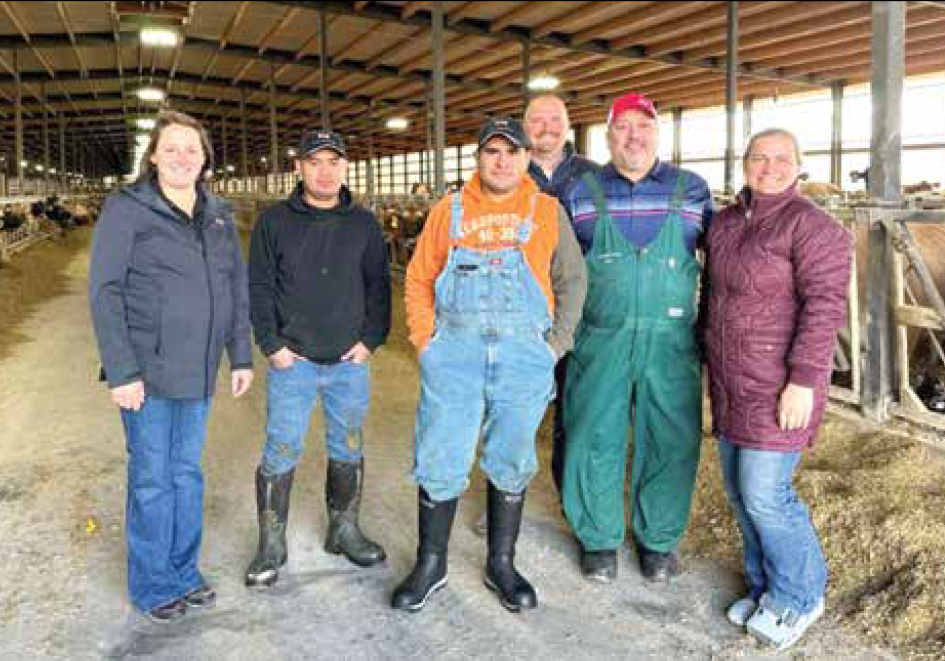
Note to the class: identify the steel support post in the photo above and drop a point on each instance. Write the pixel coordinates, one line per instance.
(439, 99)
(18, 122)
(888, 56)
(836, 134)
(748, 106)
(731, 94)
(323, 67)
(677, 135)
(526, 73)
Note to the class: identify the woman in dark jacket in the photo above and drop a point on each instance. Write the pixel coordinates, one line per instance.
(779, 269)
(168, 293)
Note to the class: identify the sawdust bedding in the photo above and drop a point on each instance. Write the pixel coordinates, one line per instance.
(878, 502)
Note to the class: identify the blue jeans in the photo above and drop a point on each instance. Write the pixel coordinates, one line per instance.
(783, 558)
(345, 390)
(164, 515)
(501, 383)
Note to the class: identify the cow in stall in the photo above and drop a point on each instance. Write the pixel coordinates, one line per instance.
(927, 373)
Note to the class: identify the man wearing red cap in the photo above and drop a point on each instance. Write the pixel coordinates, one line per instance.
(639, 223)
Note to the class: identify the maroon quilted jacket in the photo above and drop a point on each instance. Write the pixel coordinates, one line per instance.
(778, 274)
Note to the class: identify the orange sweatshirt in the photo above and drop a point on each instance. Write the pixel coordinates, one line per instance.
(487, 225)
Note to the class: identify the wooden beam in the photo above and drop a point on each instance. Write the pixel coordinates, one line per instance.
(394, 50)
(25, 33)
(346, 52)
(280, 25)
(508, 18)
(466, 10)
(805, 18)
(583, 12)
(67, 24)
(411, 8)
(694, 26)
(234, 22)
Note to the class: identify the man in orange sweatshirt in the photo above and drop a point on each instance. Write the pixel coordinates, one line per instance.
(493, 292)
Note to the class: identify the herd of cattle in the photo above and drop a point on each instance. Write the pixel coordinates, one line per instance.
(65, 215)
(402, 220)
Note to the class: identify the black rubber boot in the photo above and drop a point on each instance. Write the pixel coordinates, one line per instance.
(429, 574)
(272, 505)
(343, 497)
(505, 519)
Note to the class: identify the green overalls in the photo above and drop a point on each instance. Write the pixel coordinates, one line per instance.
(636, 340)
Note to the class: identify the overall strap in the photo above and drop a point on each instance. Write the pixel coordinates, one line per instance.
(456, 215)
(524, 230)
(597, 193)
(679, 195)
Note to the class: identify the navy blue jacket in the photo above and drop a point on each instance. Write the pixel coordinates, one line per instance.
(167, 295)
(569, 170)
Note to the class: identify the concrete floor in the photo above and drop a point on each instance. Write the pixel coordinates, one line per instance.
(62, 473)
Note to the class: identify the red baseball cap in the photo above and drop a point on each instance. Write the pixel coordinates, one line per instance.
(631, 101)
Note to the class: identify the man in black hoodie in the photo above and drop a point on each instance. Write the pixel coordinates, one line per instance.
(319, 288)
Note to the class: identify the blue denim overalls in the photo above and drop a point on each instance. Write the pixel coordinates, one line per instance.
(487, 366)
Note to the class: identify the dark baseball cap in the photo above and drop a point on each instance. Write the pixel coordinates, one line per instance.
(506, 127)
(316, 140)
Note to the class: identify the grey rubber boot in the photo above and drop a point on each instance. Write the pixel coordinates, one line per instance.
(343, 496)
(272, 506)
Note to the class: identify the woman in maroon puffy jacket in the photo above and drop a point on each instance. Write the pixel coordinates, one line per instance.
(778, 274)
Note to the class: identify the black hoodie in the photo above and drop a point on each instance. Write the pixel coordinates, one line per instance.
(319, 280)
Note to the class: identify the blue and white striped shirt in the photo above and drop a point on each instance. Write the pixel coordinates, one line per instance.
(640, 209)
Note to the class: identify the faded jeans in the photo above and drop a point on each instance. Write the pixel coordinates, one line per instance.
(782, 554)
(345, 391)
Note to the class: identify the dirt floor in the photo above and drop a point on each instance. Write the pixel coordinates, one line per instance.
(877, 500)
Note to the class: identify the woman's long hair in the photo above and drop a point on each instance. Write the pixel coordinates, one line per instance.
(167, 118)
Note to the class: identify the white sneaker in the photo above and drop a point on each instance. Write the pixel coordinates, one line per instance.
(739, 612)
(781, 631)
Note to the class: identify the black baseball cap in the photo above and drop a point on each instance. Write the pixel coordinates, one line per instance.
(316, 140)
(506, 127)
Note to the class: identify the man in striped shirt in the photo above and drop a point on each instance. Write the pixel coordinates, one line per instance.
(639, 223)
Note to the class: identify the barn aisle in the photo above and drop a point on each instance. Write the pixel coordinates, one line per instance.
(61, 512)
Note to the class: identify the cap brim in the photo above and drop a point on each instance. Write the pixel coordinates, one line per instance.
(333, 148)
(508, 136)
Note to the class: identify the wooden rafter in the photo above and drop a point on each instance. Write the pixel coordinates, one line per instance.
(234, 22)
(280, 25)
(67, 24)
(411, 8)
(520, 11)
(586, 11)
(25, 33)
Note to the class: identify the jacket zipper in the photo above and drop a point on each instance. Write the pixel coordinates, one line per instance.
(201, 239)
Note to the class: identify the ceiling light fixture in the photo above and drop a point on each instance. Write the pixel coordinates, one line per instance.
(150, 94)
(543, 82)
(145, 123)
(159, 37)
(397, 123)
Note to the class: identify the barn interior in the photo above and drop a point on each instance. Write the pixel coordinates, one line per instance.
(408, 84)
